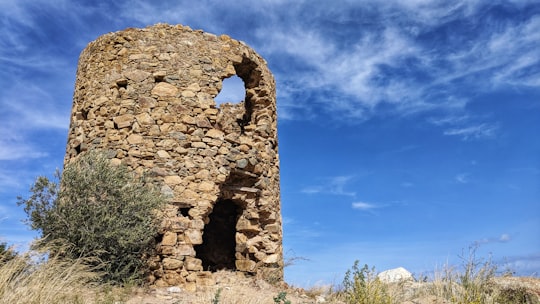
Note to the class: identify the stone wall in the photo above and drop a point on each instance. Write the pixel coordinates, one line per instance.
(146, 97)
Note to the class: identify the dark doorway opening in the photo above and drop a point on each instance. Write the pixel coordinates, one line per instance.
(219, 238)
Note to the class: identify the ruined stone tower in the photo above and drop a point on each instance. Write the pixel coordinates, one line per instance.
(146, 97)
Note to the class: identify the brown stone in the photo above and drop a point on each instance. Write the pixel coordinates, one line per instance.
(163, 154)
(215, 133)
(173, 180)
(137, 75)
(145, 119)
(194, 236)
(169, 238)
(206, 186)
(193, 264)
(123, 120)
(245, 265)
(164, 89)
(171, 264)
(135, 139)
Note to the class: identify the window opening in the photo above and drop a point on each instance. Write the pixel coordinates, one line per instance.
(219, 238)
(184, 211)
(233, 91)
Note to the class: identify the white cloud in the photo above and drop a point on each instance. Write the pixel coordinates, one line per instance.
(524, 265)
(483, 130)
(364, 206)
(465, 126)
(333, 185)
(355, 75)
(503, 238)
(462, 178)
(35, 109)
(349, 71)
(17, 150)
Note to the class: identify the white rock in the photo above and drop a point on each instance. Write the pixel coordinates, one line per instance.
(174, 289)
(395, 275)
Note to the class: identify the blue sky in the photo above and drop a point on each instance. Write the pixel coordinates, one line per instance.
(408, 130)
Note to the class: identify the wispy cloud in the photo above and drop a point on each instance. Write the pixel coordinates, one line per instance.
(364, 206)
(483, 130)
(10, 150)
(462, 178)
(524, 265)
(503, 238)
(466, 126)
(334, 185)
(396, 66)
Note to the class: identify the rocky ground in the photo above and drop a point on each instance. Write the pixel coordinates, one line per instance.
(233, 288)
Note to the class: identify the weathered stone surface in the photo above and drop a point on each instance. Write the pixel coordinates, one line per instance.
(245, 265)
(171, 264)
(194, 236)
(147, 96)
(145, 119)
(169, 238)
(193, 264)
(164, 89)
(123, 120)
(134, 139)
(274, 258)
(137, 75)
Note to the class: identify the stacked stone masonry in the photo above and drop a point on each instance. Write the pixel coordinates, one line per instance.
(146, 97)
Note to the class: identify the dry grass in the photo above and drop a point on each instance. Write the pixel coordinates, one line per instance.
(34, 277)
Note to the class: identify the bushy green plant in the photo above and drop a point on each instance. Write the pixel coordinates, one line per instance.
(361, 286)
(102, 210)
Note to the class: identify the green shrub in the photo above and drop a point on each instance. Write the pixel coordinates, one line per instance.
(101, 210)
(361, 286)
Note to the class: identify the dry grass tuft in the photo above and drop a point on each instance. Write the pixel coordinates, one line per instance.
(34, 277)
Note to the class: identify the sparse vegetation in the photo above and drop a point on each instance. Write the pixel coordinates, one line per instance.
(281, 298)
(99, 221)
(36, 277)
(217, 295)
(470, 285)
(101, 211)
(361, 286)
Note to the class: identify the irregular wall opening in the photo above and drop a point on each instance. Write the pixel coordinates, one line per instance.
(219, 237)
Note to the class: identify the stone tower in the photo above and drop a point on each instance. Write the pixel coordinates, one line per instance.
(146, 97)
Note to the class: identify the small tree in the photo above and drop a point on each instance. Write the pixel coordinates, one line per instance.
(102, 210)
